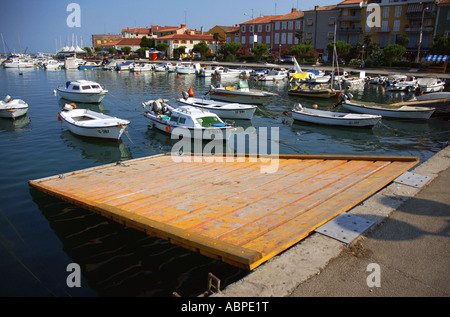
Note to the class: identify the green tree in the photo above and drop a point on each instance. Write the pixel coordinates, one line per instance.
(216, 37)
(441, 45)
(145, 42)
(126, 50)
(112, 50)
(201, 48)
(162, 47)
(342, 49)
(299, 35)
(402, 40)
(179, 50)
(302, 50)
(230, 49)
(261, 51)
(394, 52)
(88, 51)
(98, 49)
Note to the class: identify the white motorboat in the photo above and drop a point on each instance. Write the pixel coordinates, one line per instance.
(431, 84)
(142, 67)
(187, 121)
(388, 111)
(240, 93)
(82, 91)
(273, 75)
(222, 109)
(164, 67)
(12, 108)
(354, 120)
(124, 66)
(228, 73)
(187, 68)
(90, 65)
(209, 71)
(16, 62)
(355, 81)
(111, 65)
(84, 122)
(403, 84)
(53, 64)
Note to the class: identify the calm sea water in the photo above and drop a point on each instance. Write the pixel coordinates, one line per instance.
(41, 235)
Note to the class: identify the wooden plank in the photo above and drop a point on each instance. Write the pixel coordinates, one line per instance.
(230, 211)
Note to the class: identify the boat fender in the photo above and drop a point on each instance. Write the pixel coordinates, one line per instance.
(167, 129)
(68, 107)
(191, 92)
(298, 107)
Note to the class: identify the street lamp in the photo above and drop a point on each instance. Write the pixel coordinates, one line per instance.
(420, 37)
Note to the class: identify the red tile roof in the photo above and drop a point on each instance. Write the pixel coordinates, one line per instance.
(136, 30)
(263, 19)
(199, 37)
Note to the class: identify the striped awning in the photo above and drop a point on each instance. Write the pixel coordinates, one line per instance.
(437, 58)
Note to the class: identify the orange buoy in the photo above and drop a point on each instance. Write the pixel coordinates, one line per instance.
(168, 129)
(178, 76)
(191, 92)
(137, 73)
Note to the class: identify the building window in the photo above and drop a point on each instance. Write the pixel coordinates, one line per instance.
(277, 25)
(309, 22)
(330, 35)
(283, 38)
(250, 28)
(243, 28)
(398, 11)
(297, 25)
(268, 39)
(331, 21)
(260, 28)
(290, 37)
(385, 12)
(243, 40)
(290, 25)
(277, 38)
(267, 27)
(396, 26)
(283, 25)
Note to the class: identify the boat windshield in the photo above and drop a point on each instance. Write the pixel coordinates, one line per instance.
(208, 121)
(243, 84)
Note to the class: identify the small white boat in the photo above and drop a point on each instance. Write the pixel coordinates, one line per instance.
(240, 93)
(124, 66)
(209, 71)
(354, 120)
(12, 108)
(187, 68)
(89, 65)
(187, 121)
(229, 73)
(273, 75)
(53, 64)
(388, 111)
(431, 84)
(314, 92)
(17, 62)
(142, 67)
(164, 67)
(404, 84)
(72, 63)
(82, 91)
(111, 65)
(84, 122)
(222, 109)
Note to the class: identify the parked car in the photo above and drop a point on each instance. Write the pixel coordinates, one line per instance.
(286, 59)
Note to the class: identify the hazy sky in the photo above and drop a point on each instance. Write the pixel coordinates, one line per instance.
(41, 25)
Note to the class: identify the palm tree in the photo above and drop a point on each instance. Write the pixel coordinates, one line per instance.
(299, 35)
(216, 37)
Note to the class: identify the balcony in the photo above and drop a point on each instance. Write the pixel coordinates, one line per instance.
(356, 17)
(418, 15)
(349, 30)
(383, 30)
(427, 29)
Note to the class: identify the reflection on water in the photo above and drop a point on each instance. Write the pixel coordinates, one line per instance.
(40, 235)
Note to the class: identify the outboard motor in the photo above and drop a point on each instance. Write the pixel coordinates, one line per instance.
(7, 99)
(349, 95)
(157, 107)
(298, 107)
(185, 95)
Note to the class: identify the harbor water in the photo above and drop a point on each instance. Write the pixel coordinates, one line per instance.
(40, 236)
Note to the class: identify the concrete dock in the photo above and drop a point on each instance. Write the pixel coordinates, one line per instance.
(409, 243)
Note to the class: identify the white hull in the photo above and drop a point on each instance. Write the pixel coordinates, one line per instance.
(92, 124)
(335, 118)
(222, 109)
(13, 109)
(82, 97)
(403, 112)
(205, 134)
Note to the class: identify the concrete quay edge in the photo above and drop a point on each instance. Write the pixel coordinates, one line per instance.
(281, 275)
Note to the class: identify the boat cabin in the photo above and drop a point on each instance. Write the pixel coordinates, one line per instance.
(83, 86)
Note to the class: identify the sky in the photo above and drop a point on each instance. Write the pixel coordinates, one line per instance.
(33, 26)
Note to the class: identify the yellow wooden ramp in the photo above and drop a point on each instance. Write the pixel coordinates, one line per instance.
(233, 211)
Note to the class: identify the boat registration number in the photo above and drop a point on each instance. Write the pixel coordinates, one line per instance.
(103, 131)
